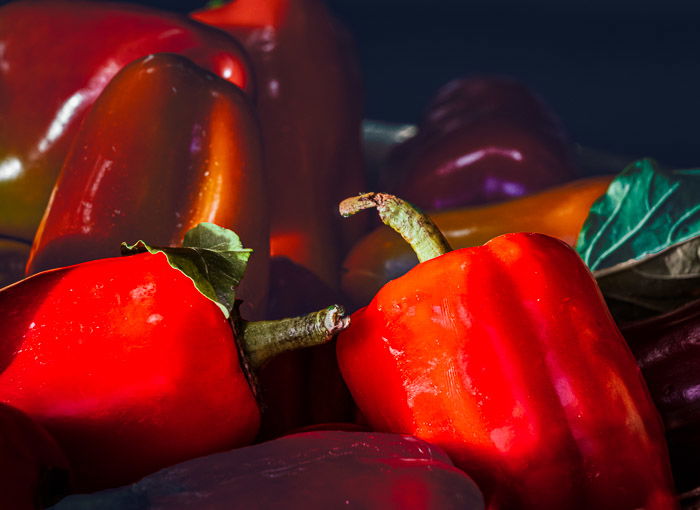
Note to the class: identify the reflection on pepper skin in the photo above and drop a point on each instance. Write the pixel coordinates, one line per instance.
(121, 355)
(482, 139)
(506, 356)
(126, 178)
(310, 106)
(667, 348)
(82, 46)
(382, 255)
(306, 471)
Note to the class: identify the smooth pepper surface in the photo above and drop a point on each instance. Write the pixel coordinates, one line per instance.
(313, 470)
(57, 57)
(667, 348)
(34, 470)
(310, 106)
(127, 365)
(506, 356)
(560, 211)
(482, 139)
(167, 145)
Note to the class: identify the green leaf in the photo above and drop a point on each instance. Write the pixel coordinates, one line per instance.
(213, 4)
(211, 256)
(645, 211)
(654, 284)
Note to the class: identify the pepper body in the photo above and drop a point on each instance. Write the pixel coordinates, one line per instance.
(310, 107)
(127, 365)
(305, 386)
(166, 146)
(82, 46)
(506, 356)
(314, 470)
(34, 470)
(560, 212)
(483, 139)
(668, 350)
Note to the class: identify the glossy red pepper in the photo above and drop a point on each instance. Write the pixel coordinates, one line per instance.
(506, 356)
(667, 348)
(310, 107)
(483, 139)
(166, 146)
(131, 368)
(310, 471)
(57, 57)
(33, 470)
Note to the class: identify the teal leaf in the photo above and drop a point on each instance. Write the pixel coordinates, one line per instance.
(645, 211)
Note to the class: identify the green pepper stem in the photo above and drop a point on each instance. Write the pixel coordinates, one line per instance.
(414, 226)
(263, 340)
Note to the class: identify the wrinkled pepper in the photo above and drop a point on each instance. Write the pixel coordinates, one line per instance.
(506, 356)
(167, 145)
(82, 46)
(310, 107)
(35, 471)
(482, 139)
(560, 212)
(133, 365)
(315, 470)
(667, 348)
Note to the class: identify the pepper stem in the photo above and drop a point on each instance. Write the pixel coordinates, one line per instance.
(263, 340)
(414, 226)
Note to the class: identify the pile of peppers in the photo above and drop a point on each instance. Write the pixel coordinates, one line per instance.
(193, 319)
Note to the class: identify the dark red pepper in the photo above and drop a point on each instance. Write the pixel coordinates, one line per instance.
(310, 106)
(482, 139)
(506, 356)
(668, 350)
(310, 471)
(304, 386)
(167, 145)
(131, 368)
(33, 470)
(57, 56)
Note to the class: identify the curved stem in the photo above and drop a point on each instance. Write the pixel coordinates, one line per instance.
(262, 340)
(414, 226)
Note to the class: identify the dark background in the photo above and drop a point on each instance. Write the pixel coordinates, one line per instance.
(624, 75)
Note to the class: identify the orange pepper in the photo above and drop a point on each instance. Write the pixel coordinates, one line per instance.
(558, 212)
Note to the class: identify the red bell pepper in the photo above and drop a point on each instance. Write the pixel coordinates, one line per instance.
(506, 356)
(310, 107)
(559, 212)
(483, 139)
(33, 470)
(166, 146)
(310, 471)
(57, 57)
(131, 367)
